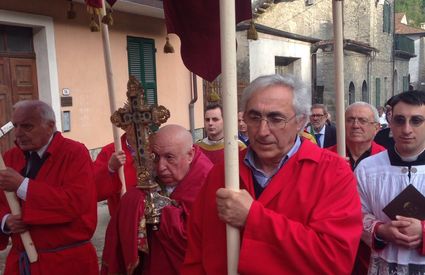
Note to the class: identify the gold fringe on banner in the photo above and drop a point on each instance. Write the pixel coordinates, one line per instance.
(107, 18)
(168, 48)
(71, 14)
(94, 26)
(252, 33)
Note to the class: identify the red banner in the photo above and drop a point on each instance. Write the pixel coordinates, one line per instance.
(97, 4)
(197, 23)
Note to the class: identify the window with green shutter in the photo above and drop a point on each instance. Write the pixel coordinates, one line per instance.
(378, 92)
(405, 83)
(141, 64)
(387, 18)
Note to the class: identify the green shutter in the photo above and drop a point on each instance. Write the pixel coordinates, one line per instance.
(141, 64)
(378, 92)
(405, 83)
(387, 18)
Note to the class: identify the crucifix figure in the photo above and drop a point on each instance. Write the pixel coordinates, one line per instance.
(137, 119)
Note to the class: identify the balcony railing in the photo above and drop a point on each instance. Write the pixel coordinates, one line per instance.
(405, 44)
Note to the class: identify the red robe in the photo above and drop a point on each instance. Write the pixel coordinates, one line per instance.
(306, 221)
(167, 245)
(215, 152)
(108, 184)
(361, 264)
(60, 210)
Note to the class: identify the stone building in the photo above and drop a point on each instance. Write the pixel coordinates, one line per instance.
(372, 72)
(411, 40)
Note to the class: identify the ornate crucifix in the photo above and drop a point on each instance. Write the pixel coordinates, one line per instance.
(137, 118)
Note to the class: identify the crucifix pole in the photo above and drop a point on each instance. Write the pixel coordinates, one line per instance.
(111, 90)
(231, 155)
(337, 7)
(138, 118)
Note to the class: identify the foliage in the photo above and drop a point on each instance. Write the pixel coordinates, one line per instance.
(414, 10)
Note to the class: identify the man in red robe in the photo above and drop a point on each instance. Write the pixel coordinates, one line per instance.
(213, 145)
(108, 183)
(182, 169)
(57, 194)
(298, 209)
(361, 126)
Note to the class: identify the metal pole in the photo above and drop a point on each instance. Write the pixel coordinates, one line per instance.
(111, 90)
(337, 6)
(231, 157)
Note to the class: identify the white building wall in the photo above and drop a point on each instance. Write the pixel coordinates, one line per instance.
(262, 55)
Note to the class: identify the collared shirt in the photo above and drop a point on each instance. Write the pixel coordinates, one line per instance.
(22, 190)
(321, 140)
(262, 179)
(354, 163)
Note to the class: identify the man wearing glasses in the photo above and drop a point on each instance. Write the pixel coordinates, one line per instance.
(361, 126)
(397, 245)
(324, 133)
(298, 209)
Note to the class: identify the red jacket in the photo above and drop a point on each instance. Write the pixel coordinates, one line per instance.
(108, 184)
(60, 210)
(306, 221)
(167, 245)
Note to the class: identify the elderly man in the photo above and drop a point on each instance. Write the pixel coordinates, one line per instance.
(324, 133)
(53, 179)
(361, 126)
(213, 145)
(398, 245)
(298, 208)
(242, 129)
(181, 168)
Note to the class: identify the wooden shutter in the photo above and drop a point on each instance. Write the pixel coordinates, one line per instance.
(141, 64)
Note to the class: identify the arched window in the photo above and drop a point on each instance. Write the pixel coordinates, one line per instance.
(351, 93)
(365, 92)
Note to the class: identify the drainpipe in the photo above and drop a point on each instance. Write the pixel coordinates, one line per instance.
(314, 72)
(393, 49)
(194, 96)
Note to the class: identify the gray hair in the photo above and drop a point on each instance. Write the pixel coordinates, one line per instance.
(302, 96)
(365, 104)
(43, 109)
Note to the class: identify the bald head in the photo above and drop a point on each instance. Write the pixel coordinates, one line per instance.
(174, 152)
(174, 135)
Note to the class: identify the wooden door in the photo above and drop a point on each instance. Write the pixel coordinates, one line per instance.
(18, 81)
(5, 101)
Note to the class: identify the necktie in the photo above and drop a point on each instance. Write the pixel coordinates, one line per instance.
(317, 137)
(34, 163)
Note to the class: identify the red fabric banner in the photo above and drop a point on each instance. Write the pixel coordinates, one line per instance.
(197, 23)
(98, 3)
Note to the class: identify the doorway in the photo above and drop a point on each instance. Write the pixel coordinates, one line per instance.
(18, 74)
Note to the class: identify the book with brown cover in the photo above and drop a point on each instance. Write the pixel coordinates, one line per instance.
(409, 203)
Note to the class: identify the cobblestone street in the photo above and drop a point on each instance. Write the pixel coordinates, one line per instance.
(97, 240)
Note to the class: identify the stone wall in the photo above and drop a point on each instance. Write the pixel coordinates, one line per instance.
(363, 22)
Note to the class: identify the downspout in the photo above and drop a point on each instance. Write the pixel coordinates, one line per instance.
(314, 49)
(194, 98)
(393, 49)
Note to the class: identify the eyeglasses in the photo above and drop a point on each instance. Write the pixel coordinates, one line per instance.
(360, 120)
(273, 121)
(415, 121)
(317, 116)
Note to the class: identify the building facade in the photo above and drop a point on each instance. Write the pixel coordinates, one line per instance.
(63, 64)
